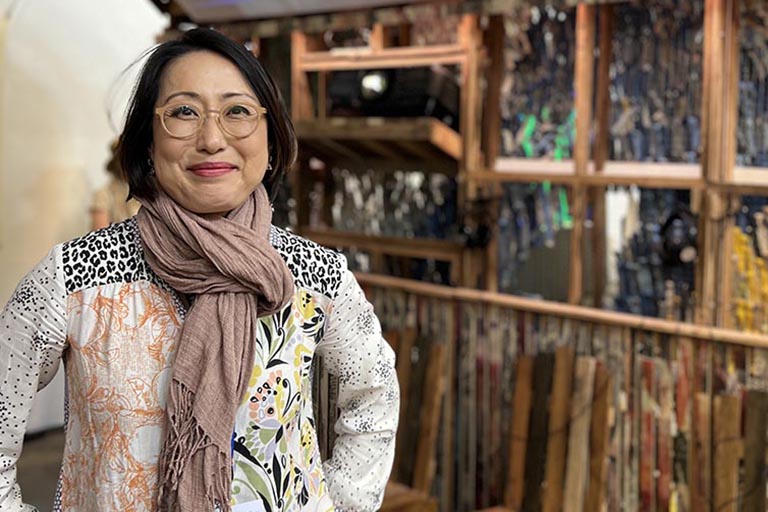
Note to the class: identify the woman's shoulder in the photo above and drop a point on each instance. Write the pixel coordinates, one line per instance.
(108, 255)
(313, 266)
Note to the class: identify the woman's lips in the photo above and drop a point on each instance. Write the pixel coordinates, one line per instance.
(211, 169)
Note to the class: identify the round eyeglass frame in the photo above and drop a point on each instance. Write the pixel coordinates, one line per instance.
(160, 112)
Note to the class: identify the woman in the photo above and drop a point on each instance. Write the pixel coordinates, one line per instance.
(188, 331)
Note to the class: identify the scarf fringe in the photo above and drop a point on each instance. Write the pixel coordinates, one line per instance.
(184, 440)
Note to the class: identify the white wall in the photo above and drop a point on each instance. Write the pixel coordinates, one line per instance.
(60, 72)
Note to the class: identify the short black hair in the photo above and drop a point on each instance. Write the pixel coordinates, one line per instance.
(136, 139)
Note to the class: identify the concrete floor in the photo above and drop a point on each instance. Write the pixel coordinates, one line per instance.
(38, 468)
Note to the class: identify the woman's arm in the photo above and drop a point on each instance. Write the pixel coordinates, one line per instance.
(32, 338)
(369, 400)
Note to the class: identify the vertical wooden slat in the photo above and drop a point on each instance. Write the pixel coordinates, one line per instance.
(630, 442)
(377, 38)
(683, 410)
(756, 424)
(731, 66)
(449, 464)
(727, 441)
(701, 501)
(491, 132)
(302, 107)
(664, 441)
(598, 439)
(519, 432)
(647, 435)
(583, 84)
(471, 405)
(494, 45)
(471, 100)
(536, 451)
(577, 476)
(434, 388)
(602, 140)
(559, 419)
(484, 400)
(301, 94)
(407, 340)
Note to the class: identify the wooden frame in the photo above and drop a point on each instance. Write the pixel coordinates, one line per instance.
(359, 141)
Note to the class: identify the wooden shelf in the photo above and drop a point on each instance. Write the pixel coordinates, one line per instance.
(748, 181)
(648, 175)
(528, 170)
(440, 250)
(367, 58)
(642, 174)
(367, 139)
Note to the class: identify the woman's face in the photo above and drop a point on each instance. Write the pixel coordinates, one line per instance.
(210, 172)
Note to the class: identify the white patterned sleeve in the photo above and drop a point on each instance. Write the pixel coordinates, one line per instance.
(368, 401)
(32, 338)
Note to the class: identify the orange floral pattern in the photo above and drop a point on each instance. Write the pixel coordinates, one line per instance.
(122, 339)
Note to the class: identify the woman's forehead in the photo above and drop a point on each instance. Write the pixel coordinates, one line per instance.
(203, 73)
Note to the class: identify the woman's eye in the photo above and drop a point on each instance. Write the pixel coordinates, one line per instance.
(182, 112)
(239, 111)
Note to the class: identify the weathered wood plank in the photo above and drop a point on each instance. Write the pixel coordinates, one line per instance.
(520, 428)
(576, 478)
(559, 419)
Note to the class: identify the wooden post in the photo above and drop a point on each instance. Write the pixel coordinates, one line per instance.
(583, 84)
(470, 38)
(302, 107)
(602, 139)
(719, 116)
(494, 44)
(470, 115)
(491, 134)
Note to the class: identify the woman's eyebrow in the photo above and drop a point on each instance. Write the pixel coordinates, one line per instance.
(195, 95)
(181, 93)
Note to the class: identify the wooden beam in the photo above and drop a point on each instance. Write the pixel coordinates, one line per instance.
(302, 107)
(583, 85)
(494, 44)
(602, 140)
(364, 58)
(377, 39)
(439, 250)
(470, 40)
(697, 333)
(301, 94)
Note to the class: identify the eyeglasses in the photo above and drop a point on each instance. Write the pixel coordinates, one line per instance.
(184, 121)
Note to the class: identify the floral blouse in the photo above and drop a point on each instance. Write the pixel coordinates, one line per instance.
(95, 304)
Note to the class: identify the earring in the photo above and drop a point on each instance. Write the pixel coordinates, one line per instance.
(151, 166)
(269, 164)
